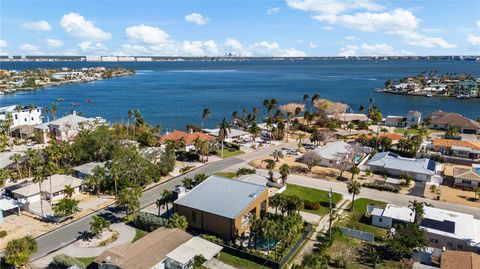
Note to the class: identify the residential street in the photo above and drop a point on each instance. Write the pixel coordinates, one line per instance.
(68, 233)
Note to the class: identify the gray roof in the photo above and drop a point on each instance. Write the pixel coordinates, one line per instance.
(254, 178)
(334, 150)
(72, 120)
(231, 134)
(221, 196)
(87, 168)
(389, 160)
(415, 113)
(58, 181)
(5, 158)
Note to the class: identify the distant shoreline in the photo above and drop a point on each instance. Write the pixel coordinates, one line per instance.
(425, 95)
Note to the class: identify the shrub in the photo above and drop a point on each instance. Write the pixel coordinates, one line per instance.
(186, 169)
(212, 238)
(245, 171)
(311, 205)
(233, 146)
(3, 234)
(65, 261)
(380, 187)
(149, 222)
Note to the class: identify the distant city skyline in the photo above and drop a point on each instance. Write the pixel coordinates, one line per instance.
(246, 28)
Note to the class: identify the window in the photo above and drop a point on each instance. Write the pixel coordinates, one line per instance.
(194, 216)
(380, 219)
(16, 116)
(459, 247)
(449, 244)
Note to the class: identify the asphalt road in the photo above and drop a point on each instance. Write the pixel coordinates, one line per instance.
(67, 234)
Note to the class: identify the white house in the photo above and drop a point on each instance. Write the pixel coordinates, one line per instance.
(334, 152)
(233, 134)
(420, 169)
(66, 128)
(22, 116)
(446, 229)
(29, 192)
(410, 120)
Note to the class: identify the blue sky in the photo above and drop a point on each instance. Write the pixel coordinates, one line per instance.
(249, 28)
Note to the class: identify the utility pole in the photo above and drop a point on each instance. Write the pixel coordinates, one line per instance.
(330, 212)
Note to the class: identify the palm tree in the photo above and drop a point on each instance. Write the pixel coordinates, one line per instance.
(54, 110)
(301, 137)
(255, 131)
(68, 191)
(350, 127)
(178, 221)
(277, 154)
(284, 172)
(418, 209)
(205, 115)
(164, 200)
(223, 132)
(38, 178)
(451, 131)
(130, 116)
(270, 166)
(16, 158)
(354, 189)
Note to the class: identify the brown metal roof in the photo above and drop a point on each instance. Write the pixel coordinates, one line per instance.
(460, 260)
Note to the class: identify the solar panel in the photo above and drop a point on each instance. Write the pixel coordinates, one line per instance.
(431, 165)
(391, 154)
(444, 226)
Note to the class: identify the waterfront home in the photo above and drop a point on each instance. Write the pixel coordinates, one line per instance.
(65, 128)
(453, 259)
(233, 134)
(223, 206)
(466, 176)
(188, 139)
(21, 115)
(389, 163)
(457, 148)
(351, 117)
(331, 154)
(411, 119)
(466, 88)
(168, 248)
(394, 137)
(443, 120)
(446, 229)
(52, 188)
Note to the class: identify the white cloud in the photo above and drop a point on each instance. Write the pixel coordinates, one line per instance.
(273, 11)
(37, 26)
(364, 15)
(234, 46)
(147, 34)
(78, 27)
(265, 48)
(312, 45)
(199, 48)
(350, 37)
(478, 23)
(348, 50)
(377, 49)
(3, 43)
(54, 43)
(92, 47)
(196, 18)
(30, 49)
(474, 39)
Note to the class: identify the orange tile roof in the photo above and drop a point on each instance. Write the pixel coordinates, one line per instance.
(448, 143)
(460, 259)
(392, 136)
(188, 137)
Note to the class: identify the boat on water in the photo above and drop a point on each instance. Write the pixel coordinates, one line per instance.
(89, 101)
(74, 104)
(463, 96)
(61, 99)
(429, 95)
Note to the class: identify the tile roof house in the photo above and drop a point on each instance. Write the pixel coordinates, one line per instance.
(467, 177)
(222, 206)
(188, 138)
(392, 164)
(459, 260)
(458, 148)
(162, 248)
(442, 120)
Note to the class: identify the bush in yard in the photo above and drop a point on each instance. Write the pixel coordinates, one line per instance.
(149, 222)
(380, 187)
(65, 261)
(311, 205)
(3, 234)
(245, 171)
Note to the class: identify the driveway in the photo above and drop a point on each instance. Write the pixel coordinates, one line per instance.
(418, 189)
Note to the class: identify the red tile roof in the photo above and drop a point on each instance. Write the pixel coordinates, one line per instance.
(453, 119)
(460, 260)
(188, 137)
(448, 143)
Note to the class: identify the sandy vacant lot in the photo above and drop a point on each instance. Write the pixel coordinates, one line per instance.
(453, 195)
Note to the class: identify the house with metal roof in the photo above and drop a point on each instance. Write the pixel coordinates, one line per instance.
(394, 165)
(86, 169)
(233, 134)
(445, 229)
(222, 206)
(162, 248)
(332, 153)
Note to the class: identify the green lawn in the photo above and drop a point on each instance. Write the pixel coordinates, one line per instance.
(315, 195)
(226, 174)
(87, 261)
(357, 219)
(239, 263)
(228, 154)
(139, 233)
(409, 131)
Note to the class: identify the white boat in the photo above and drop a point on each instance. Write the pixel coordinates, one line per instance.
(428, 95)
